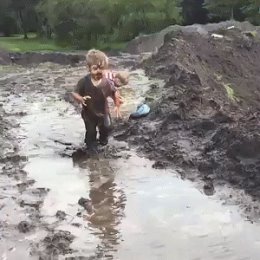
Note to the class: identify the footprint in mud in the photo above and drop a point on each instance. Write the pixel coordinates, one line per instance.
(61, 215)
(81, 155)
(87, 205)
(54, 244)
(25, 227)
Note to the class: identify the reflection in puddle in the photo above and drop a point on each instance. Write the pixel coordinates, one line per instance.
(167, 218)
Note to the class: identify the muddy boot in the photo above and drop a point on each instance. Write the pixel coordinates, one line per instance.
(103, 135)
(103, 141)
(91, 148)
(85, 139)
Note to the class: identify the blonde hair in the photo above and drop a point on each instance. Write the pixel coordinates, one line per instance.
(96, 57)
(123, 76)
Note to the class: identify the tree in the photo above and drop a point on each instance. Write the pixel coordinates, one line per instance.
(225, 9)
(147, 16)
(193, 11)
(84, 23)
(25, 12)
(252, 11)
(7, 21)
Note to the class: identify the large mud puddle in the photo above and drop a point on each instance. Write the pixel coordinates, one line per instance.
(137, 212)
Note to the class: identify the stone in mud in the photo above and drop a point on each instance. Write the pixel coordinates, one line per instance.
(160, 165)
(23, 185)
(81, 258)
(61, 215)
(33, 204)
(208, 188)
(40, 191)
(56, 244)
(79, 214)
(25, 227)
(86, 204)
(13, 158)
(78, 225)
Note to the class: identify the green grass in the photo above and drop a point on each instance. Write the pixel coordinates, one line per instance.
(230, 92)
(17, 43)
(111, 46)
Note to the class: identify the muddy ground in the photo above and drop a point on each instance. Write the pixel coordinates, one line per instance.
(53, 194)
(58, 203)
(35, 58)
(152, 42)
(206, 119)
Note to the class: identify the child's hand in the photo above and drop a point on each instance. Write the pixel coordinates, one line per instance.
(118, 99)
(118, 102)
(84, 99)
(118, 113)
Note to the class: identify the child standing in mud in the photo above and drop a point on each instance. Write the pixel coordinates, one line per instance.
(92, 92)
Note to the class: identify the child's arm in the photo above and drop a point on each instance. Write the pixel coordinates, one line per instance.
(77, 97)
(115, 95)
(118, 100)
(78, 93)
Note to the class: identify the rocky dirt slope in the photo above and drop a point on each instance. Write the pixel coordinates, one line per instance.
(206, 118)
(151, 42)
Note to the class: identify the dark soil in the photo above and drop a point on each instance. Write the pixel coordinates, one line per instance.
(206, 119)
(30, 58)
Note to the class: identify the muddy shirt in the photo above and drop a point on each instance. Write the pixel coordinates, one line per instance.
(97, 106)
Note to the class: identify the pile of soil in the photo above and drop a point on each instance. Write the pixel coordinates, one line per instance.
(151, 42)
(206, 120)
(30, 58)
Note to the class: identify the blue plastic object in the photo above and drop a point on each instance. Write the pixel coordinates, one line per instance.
(142, 111)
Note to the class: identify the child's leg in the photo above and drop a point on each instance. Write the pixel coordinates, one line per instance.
(91, 132)
(104, 128)
(85, 140)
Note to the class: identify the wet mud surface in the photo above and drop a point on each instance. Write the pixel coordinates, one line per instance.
(59, 203)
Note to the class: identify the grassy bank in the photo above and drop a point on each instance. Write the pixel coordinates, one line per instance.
(112, 46)
(18, 44)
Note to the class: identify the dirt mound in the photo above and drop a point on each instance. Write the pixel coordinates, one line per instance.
(4, 58)
(151, 42)
(206, 120)
(30, 58)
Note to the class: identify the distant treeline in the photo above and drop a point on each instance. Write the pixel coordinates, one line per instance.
(84, 23)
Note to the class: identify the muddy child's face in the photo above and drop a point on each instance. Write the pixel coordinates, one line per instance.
(96, 71)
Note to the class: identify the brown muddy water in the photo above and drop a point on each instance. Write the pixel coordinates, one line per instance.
(139, 212)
